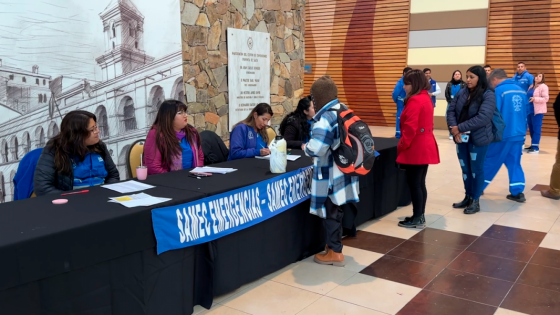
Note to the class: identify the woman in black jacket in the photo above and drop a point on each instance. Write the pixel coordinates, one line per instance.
(296, 127)
(75, 158)
(469, 118)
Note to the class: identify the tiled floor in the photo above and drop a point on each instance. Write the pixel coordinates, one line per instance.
(504, 260)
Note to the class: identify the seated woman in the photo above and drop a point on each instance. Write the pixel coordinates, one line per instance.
(172, 144)
(296, 127)
(75, 158)
(249, 137)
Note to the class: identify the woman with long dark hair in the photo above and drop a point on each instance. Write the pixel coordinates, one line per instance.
(296, 127)
(249, 137)
(453, 87)
(538, 97)
(172, 144)
(417, 147)
(469, 118)
(75, 158)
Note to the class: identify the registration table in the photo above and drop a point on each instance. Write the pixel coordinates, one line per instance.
(94, 257)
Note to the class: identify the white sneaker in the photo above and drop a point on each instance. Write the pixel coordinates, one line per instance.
(533, 151)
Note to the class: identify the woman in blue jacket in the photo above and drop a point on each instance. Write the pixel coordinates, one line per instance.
(75, 158)
(249, 137)
(453, 87)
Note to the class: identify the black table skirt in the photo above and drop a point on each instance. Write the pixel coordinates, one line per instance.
(175, 281)
(141, 282)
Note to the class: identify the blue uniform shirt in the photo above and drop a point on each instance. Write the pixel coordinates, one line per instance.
(187, 154)
(399, 94)
(90, 172)
(433, 83)
(524, 80)
(512, 102)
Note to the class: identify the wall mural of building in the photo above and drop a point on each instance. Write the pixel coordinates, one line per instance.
(119, 60)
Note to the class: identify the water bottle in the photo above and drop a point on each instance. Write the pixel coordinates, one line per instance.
(278, 155)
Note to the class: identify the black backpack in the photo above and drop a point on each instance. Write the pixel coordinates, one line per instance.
(355, 155)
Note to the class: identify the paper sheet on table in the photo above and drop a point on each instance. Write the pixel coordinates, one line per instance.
(290, 157)
(128, 187)
(138, 200)
(214, 170)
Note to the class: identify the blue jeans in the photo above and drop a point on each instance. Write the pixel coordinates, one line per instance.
(508, 153)
(400, 108)
(535, 127)
(472, 159)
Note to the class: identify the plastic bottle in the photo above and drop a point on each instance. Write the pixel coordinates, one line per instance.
(278, 155)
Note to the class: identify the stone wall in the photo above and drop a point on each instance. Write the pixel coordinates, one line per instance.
(205, 58)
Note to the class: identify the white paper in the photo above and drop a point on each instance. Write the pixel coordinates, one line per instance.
(214, 170)
(138, 200)
(128, 187)
(289, 157)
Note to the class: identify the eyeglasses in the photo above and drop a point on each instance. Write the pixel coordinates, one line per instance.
(182, 113)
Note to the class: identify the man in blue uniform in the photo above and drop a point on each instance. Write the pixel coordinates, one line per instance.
(523, 78)
(511, 101)
(399, 94)
(435, 90)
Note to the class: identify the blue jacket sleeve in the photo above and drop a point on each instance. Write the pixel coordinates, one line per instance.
(397, 91)
(238, 145)
(484, 116)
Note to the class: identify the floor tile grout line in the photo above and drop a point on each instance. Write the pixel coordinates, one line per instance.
(516, 280)
(460, 298)
(303, 309)
(424, 288)
(463, 251)
(476, 274)
(497, 239)
(369, 308)
(557, 220)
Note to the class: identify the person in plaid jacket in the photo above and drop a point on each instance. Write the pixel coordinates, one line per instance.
(330, 188)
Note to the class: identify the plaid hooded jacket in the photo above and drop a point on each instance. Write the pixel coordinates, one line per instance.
(328, 180)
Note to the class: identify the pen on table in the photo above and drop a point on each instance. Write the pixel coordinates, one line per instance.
(75, 193)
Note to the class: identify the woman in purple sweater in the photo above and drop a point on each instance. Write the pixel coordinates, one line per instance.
(249, 137)
(172, 144)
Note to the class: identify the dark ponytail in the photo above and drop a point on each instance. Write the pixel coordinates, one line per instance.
(299, 117)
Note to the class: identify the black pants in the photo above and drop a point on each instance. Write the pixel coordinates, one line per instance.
(416, 178)
(333, 225)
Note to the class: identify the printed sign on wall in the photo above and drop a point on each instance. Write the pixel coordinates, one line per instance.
(248, 72)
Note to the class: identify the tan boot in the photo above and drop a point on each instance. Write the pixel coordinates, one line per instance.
(550, 195)
(326, 250)
(330, 258)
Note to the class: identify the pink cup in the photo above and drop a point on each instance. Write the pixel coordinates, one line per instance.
(141, 172)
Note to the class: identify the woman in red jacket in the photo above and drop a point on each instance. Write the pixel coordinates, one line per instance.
(417, 146)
